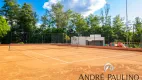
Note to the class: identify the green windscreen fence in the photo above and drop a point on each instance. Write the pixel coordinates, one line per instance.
(68, 38)
(30, 38)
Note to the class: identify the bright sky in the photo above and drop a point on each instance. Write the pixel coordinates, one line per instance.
(86, 7)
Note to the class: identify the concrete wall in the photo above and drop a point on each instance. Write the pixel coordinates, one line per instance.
(82, 40)
(78, 40)
(74, 40)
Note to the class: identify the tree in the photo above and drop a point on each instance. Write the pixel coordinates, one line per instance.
(44, 22)
(105, 18)
(47, 20)
(80, 23)
(106, 29)
(4, 27)
(138, 27)
(118, 29)
(94, 24)
(10, 11)
(61, 17)
(27, 18)
(57, 10)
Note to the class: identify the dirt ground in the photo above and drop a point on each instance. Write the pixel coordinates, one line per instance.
(51, 62)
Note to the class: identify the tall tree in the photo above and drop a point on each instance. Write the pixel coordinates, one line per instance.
(106, 29)
(138, 27)
(94, 24)
(47, 20)
(44, 22)
(105, 18)
(27, 18)
(80, 23)
(61, 17)
(118, 28)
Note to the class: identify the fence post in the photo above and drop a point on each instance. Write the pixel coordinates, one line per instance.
(78, 41)
(141, 41)
(63, 38)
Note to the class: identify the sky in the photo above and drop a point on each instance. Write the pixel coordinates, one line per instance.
(86, 7)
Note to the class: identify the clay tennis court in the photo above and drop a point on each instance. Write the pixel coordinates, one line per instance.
(52, 62)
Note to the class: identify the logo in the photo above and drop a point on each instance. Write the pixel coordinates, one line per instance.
(102, 76)
(108, 66)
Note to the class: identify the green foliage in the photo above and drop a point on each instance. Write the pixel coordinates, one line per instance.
(10, 11)
(4, 27)
(80, 23)
(26, 20)
(60, 17)
(20, 18)
(118, 28)
(21, 42)
(105, 18)
(138, 28)
(94, 23)
(67, 38)
(57, 30)
(45, 22)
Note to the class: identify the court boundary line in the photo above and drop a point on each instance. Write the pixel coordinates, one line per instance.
(93, 59)
(66, 62)
(103, 47)
(99, 47)
(49, 57)
(34, 58)
(44, 56)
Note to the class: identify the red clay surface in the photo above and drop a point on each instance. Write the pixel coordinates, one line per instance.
(51, 62)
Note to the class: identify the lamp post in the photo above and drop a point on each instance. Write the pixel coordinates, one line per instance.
(127, 21)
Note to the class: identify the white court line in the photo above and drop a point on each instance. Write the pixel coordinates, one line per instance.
(65, 62)
(94, 59)
(44, 56)
(49, 57)
(34, 58)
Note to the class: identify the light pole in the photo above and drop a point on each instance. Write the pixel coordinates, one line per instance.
(127, 21)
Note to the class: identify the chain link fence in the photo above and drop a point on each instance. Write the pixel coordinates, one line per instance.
(72, 38)
(38, 38)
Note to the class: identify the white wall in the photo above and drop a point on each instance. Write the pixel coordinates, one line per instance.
(74, 40)
(78, 40)
(82, 40)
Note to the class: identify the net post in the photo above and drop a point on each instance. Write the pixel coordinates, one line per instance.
(63, 38)
(42, 39)
(57, 39)
(10, 40)
(9, 47)
(141, 41)
(78, 41)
